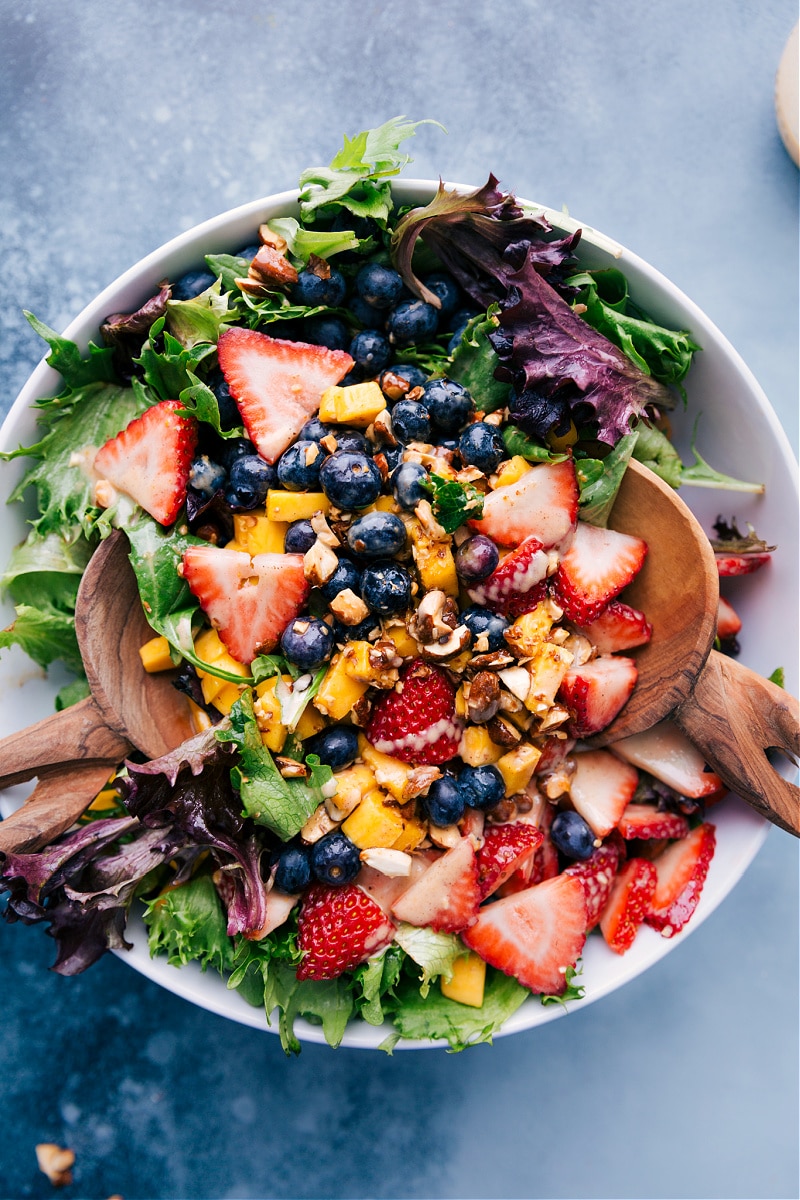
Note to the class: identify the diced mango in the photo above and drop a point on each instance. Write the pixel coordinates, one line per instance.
(404, 643)
(226, 697)
(382, 504)
(390, 773)
(517, 767)
(352, 785)
(512, 470)
(548, 665)
(413, 833)
(374, 822)
(358, 666)
(295, 506)
(531, 628)
(267, 711)
(338, 692)
(358, 404)
(477, 749)
(467, 982)
(257, 534)
(435, 562)
(210, 686)
(234, 545)
(310, 722)
(105, 801)
(200, 718)
(327, 405)
(209, 647)
(155, 655)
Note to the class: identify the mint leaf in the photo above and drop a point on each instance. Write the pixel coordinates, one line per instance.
(187, 923)
(452, 502)
(435, 952)
(438, 1017)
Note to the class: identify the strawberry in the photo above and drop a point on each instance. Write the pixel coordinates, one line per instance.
(740, 564)
(150, 459)
(729, 623)
(597, 566)
(277, 384)
(338, 928)
(534, 935)
(596, 692)
(645, 821)
(517, 584)
(417, 721)
(680, 874)
(505, 849)
(543, 863)
(629, 903)
(447, 896)
(619, 627)
(249, 601)
(601, 789)
(596, 874)
(543, 503)
(665, 752)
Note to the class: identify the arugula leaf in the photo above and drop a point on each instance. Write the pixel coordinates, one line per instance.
(45, 635)
(474, 363)
(77, 370)
(437, 1017)
(598, 493)
(453, 502)
(199, 320)
(171, 370)
(435, 952)
(187, 923)
(374, 979)
(302, 243)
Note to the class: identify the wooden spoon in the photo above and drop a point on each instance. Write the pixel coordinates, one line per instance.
(730, 713)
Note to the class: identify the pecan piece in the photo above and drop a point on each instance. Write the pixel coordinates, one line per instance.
(483, 698)
(503, 733)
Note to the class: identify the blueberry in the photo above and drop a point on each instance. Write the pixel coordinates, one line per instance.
(379, 286)
(407, 480)
(364, 631)
(393, 455)
(386, 588)
(335, 859)
(206, 476)
(412, 321)
(312, 290)
(350, 480)
(299, 466)
(446, 289)
(249, 480)
(444, 804)
(371, 351)
(315, 430)
(293, 872)
(476, 558)
(307, 642)
(192, 284)
(449, 404)
(229, 416)
(336, 746)
(537, 412)
(480, 620)
(377, 535)
(248, 252)
(482, 446)
(365, 314)
(352, 440)
(233, 448)
(572, 835)
(481, 787)
(411, 421)
(326, 331)
(299, 537)
(346, 575)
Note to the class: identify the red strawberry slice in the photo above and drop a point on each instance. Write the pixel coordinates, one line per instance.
(596, 874)
(629, 903)
(596, 692)
(517, 584)
(665, 752)
(601, 789)
(447, 896)
(680, 873)
(534, 935)
(338, 928)
(645, 821)
(505, 848)
(619, 627)
(543, 503)
(417, 721)
(740, 564)
(150, 459)
(543, 864)
(249, 601)
(729, 623)
(597, 566)
(277, 385)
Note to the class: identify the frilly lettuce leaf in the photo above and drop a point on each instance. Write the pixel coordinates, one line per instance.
(434, 952)
(199, 320)
(437, 1017)
(302, 243)
(374, 982)
(187, 923)
(599, 480)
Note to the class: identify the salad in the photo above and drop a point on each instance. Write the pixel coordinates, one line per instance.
(366, 468)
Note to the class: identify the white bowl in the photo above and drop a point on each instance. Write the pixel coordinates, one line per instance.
(739, 434)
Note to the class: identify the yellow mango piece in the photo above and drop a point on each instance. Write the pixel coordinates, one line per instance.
(295, 506)
(404, 643)
(373, 823)
(511, 471)
(267, 711)
(155, 655)
(327, 405)
(358, 404)
(310, 722)
(226, 697)
(105, 801)
(390, 773)
(209, 647)
(413, 833)
(531, 628)
(435, 562)
(352, 785)
(548, 665)
(210, 686)
(517, 767)
(257, 534)
(382, 504)
(477, 749)
(200, 718)
(338, 692)
(468, 980)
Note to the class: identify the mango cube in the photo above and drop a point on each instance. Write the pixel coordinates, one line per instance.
(413, 833)
(468, 980)
(155, 655)
(338, 692)
(267, 711)
(390, 773)
(373, 822)
(358, 404)
(257, 534)
(295, 506)
(226, 697)
(200, 718)
(548, 665)
(352, 785)
(435, 562)
(531, 629)
(310, 722)
(512, 471)
(517, 767)
(477, 749)
(404, 643)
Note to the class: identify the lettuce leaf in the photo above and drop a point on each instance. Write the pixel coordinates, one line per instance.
(654, 450)
(598, 489)
(167, 365)
(435, 952)
(199, 320)
(45, 635)
(187, 924)
(302, 243)
(374, 982)
(42, 578)
(475, 362)
(437, 1017)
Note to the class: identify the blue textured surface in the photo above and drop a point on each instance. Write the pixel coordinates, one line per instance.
(124, 124)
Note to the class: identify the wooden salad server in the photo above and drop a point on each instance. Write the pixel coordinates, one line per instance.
(730, 713)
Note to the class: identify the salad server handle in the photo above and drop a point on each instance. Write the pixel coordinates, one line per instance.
(734, 716)
(78, 734)
(55, 803)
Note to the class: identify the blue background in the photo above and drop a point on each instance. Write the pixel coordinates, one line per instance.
(125, 123)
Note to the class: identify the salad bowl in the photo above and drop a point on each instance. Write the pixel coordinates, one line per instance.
(737, 430)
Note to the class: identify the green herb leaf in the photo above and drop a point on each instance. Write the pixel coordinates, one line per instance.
(778, 677)
(452, 502)
(187, 923)
(572, 991)
(228, 268)
(199, 402)
(518, 443)
(45, 635)
(173, 369)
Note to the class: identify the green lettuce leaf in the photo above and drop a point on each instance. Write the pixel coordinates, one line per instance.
(187, 923)
(76, 369)
(374, 981)
(474, 363)
(45, 635)
(168, 371)
(437, 1017)
(302, 243)
(654, 450)
(228, 268)
(199, 320)
(599, 480)
(72, 693)
(199, 401)
(435, 952)
(517, 442)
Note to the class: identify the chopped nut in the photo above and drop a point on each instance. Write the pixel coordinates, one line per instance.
(424, 514)
(580, 648)
(382, 463)
(394, 863)
(503, 812)
(381, 429)
(554, 717)
(502, 732)
(320, 266)
(319, 563)
(393, 386)
(323, 530)
(104, 493)
(361, 712)
(268, 237)
(445, 836)
(270, 267)
(349, 608)
(311, 454)
(317, 825)
(427, 625)
(449, 614)
(447, 647)
(290, 768)
(55, 1162)
(419, 780)
(329, 442)
(483, 698)
(497, 417)
(383, 656)
(509, 703)
(493, 660)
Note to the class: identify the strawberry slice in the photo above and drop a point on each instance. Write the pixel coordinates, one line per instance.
(596, 692)
(665, 752)
(601, 789)
(645, 821)
(596, 874)
(619, 627)
(740, 564)
(249, 601)
(338, 928)
(543, 863)
(517, 584)
(597, 566)
(447, 896)
(729, 623)
(543, 503)
(417, 721)
(680, 873)
(534, 935)
(277, 385)
(505, 849)
(629, 903)
(150, 459)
